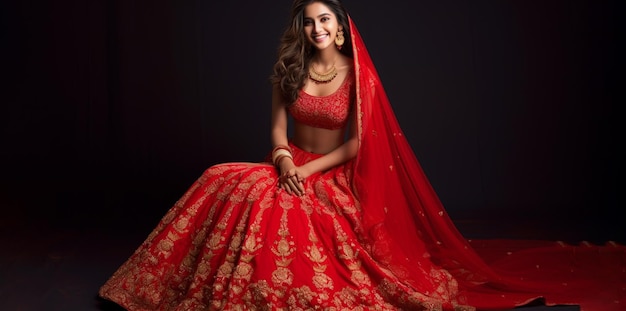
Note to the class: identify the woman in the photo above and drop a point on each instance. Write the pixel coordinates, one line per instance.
(312, 228)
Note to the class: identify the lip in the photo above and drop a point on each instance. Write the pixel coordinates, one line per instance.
(320, 38)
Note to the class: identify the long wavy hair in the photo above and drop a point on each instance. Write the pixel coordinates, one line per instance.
(295, 52)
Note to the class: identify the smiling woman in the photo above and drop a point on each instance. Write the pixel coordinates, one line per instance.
(340, 216)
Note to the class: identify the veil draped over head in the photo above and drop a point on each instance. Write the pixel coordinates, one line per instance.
(404, 218)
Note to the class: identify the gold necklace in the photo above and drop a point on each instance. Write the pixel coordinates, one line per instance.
(322, 77)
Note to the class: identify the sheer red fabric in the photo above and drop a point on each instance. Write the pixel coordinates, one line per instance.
(403, 216)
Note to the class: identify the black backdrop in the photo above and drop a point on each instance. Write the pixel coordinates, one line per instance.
(110, 109)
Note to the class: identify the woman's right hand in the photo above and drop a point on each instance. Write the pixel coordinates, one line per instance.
(292, 178)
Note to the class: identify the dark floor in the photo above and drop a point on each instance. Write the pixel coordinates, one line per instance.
(56, 258)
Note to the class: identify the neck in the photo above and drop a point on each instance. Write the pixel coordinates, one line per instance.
(327, 57)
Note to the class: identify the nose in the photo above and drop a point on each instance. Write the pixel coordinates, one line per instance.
(317, 27)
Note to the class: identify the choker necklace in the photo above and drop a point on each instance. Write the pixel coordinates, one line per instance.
(322, 77)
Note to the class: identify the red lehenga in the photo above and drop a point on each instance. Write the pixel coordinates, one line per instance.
(370, 234)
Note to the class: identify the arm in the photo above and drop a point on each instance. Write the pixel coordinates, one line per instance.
(279, 137)
(279, 119)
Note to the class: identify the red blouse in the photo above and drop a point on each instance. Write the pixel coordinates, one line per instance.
(330, 111)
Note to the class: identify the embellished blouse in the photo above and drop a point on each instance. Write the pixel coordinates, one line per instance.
(330, 112)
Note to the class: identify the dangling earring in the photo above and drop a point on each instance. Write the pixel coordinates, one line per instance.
(339, 39)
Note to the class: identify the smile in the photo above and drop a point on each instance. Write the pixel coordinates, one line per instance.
(320, 38)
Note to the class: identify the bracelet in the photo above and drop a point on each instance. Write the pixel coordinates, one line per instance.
(280, 158)
(278, 153)
(279, 147)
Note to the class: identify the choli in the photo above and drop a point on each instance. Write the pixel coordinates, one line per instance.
(330, 112)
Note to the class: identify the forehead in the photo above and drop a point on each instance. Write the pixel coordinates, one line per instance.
(317, 9)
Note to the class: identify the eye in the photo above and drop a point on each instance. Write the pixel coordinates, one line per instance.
(325, 19)
(308, 22)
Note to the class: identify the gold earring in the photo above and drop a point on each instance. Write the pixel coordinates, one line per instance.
(339, 39)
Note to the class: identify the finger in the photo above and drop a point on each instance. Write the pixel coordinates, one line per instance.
(286, 187)
(293, 187)
(300, 187)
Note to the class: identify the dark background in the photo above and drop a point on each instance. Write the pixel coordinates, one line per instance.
(111, 109)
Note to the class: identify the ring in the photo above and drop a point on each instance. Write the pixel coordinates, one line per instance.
(283, 178)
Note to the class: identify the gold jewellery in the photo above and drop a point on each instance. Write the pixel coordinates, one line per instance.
(339, 39)
(322, 77)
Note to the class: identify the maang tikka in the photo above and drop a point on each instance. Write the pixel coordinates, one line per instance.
(339, 39)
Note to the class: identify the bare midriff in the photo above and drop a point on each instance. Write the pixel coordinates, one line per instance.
(317, 140)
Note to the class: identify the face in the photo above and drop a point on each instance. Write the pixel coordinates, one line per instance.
(320, 25)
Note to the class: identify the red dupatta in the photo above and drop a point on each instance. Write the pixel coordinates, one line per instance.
(395, 194)
(405, 220)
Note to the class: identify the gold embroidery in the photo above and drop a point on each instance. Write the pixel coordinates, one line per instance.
(315, 252)
(283, 249)
(244, 271)
(249, 247)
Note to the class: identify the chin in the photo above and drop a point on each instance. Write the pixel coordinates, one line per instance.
(323, 46)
